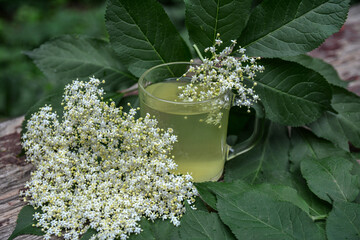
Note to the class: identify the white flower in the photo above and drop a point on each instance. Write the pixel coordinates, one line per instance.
(100, 167)
(218, 41)
(220, 74)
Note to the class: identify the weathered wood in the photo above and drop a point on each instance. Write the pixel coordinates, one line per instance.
(342, 50)
(14, 172)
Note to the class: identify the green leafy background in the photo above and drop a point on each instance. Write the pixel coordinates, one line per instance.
(300, 181)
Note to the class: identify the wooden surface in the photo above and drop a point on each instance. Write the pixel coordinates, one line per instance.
(14, 172)
(341, 50)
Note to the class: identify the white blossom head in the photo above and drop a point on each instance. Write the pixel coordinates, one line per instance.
(221, 73)
(100, 168)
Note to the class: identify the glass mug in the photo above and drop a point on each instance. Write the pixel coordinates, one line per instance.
(201, 127)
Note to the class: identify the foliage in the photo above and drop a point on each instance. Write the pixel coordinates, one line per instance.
(296, 183)
(25, 26)
(25, 223)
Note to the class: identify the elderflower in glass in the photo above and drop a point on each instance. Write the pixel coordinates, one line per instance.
(194, 100)
(222, 73)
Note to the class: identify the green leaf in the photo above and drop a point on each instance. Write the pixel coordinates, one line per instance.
(278, 192)
(201, 205)
(330, 178)
(88, 234)
(24, 223)
(268, 159)
(292, 94)
(304, 144)
(159, 229)
(343, 125)
(284, 193)
(318, 65)
(226, 188)
(206, 18)
(209, 190)
(68, 58)
(196, 224)
(278, 28)
(254, 215)
(318, 209)
(206, 194)
(143, 35)
(344, 221)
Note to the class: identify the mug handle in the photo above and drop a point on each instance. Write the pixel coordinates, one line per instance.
(250, 143)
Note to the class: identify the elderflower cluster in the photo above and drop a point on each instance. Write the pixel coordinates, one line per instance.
(100, 168)
(222, 73)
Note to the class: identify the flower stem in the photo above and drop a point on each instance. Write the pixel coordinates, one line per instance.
(198, 52)
(320, 217)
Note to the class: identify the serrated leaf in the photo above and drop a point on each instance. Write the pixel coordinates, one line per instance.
(269, 158)
(24, 223)
(330, 178)
(278, 192)
(344, 125)
(284, 193)
(196, 224)
(343, 221)
(209, 190)
(205, 194)
(292, 94)
(318, 65)
(318, 209)
(304, 144)
(278, 28)
(68, 58)
(143, 35)
(206, 18)
(159, 229)
(254, 215)
(88, 234)
(201, 205)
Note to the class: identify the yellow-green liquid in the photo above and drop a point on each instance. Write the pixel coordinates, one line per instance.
(201, 147)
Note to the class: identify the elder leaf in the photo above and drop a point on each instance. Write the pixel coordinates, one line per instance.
(268, 159)
(143, 35)
(292, 94)
(320, 66)
(209, 190)
(254, 215)
(197, 224)
(343, 221)
(158, 229)
(24, 223)
(304, 144)
(278, 28)
(341, 126)
(68, 58)
(88, 234)
(206, 18)
(284, 193)
(330, 178)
